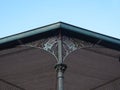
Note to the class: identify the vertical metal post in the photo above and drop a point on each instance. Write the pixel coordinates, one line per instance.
(60, 80)
(60, 48)
(60, 67)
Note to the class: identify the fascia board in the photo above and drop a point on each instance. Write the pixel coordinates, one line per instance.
(90, 33)
(30, 33)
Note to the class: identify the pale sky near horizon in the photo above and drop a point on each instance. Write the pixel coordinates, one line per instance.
(102, 16)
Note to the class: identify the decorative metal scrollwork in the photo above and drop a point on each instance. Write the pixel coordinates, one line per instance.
(72, 44)
(49, 44)
(68, 45)
(62, 67)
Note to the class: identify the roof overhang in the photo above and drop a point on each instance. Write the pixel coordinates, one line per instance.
(92, 59)
(73, 30)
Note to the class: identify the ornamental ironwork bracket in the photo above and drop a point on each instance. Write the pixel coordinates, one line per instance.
(68, 45)
(60, 47)
(62, 67)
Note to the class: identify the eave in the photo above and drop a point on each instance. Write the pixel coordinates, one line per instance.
(108, 41)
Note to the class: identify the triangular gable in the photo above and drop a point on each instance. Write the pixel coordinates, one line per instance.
(106, 41)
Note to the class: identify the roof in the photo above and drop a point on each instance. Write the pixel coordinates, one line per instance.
(30, 66)
(108, 41)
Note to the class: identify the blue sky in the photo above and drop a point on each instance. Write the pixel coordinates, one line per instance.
(102, 16)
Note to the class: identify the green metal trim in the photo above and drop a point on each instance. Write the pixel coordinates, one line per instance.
(90, 33)
(56, 26)
(30, 33)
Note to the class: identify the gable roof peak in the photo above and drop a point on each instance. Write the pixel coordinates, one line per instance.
(56, 26)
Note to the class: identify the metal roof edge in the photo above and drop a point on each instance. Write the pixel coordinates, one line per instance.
(90, 33)
(30, 33)
(60, 25)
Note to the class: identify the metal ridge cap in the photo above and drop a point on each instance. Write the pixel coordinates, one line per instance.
(30, 33)
(90, 33)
